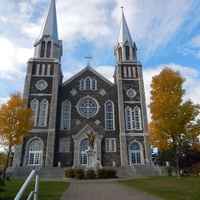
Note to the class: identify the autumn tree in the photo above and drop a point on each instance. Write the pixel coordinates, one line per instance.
(174, 122)
(15, 122)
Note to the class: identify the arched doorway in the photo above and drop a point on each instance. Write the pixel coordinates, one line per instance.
(83, 148)
(135, 153)
(35, 152)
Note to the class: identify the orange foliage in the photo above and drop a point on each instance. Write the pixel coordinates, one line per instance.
(171, 117)
(15, 120)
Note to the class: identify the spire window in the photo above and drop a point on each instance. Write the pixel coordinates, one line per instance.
(48, 49)
(120, 53)
(127, 53)
(42, 49)
(134, 54)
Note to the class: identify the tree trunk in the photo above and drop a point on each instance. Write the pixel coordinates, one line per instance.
(6, 166)
(177, 166)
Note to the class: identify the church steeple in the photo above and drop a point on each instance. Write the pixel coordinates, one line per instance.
(48, 45)
(124, 34)
(50, 25)
(126, 48)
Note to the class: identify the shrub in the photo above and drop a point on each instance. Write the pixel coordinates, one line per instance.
(79, 173)
(111, 173)
(70, 173)
(90, 174)
(106, 173)
(195, 168)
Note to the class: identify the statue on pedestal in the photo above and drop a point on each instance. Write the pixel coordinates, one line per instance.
(91, 138)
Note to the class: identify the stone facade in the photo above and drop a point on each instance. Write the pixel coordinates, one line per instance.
(65, 111)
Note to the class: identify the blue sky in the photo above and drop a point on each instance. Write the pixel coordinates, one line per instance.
(167, 33)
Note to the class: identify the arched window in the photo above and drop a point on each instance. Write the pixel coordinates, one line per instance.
(137, 118)
(66, 116)
(48, 49)
(35, 152)
(129, 118)
(34, 107)
(83, 148)
(120, 53)
(109, 116)
(42, 49)
(127, 53)
(43, 113)
(82, 85)
(87, 83)
(134, 54)
(135, 153)
(94, 84)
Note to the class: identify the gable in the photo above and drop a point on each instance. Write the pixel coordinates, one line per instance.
(85, 71)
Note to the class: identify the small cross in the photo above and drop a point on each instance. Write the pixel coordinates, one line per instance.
(88, 58)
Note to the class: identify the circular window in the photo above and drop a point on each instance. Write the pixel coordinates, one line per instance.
(87, 107)
(41, 85)
(131, 93)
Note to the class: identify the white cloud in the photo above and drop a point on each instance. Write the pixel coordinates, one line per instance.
(106, 71)
(13, 59)
(192, 47)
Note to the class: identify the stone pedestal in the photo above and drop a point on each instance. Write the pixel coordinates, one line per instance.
(91, 159)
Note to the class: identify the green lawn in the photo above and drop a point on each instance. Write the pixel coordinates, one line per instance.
(169, 188)
(48, 190)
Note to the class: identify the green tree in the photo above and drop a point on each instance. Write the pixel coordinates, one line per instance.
(174, 124)
(15, 122)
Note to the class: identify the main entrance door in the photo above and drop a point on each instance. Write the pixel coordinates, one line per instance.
(135, 153)
(35, 153)
(83, 148)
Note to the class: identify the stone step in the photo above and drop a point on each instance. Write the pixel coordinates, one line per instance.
(58, 172)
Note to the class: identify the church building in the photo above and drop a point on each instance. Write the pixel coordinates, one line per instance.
(65, 111)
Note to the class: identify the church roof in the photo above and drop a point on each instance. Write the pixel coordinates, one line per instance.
(50, 25)
(124, 34)
(88, 67)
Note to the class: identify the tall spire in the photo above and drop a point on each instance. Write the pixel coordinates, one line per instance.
(50, 25)
(124, 34)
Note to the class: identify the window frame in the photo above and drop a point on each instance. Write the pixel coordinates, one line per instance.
(66, 120)
(43, 113)
(110, 145)
(64, 145)
(109, 116)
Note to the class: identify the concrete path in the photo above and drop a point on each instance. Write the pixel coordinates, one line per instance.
(102, 190)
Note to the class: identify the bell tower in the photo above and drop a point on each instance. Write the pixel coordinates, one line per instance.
(131, 96)
(41, 90)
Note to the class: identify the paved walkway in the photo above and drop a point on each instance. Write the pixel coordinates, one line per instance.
(102, 190)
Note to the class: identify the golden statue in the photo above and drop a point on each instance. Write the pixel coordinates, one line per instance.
(91, 137)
